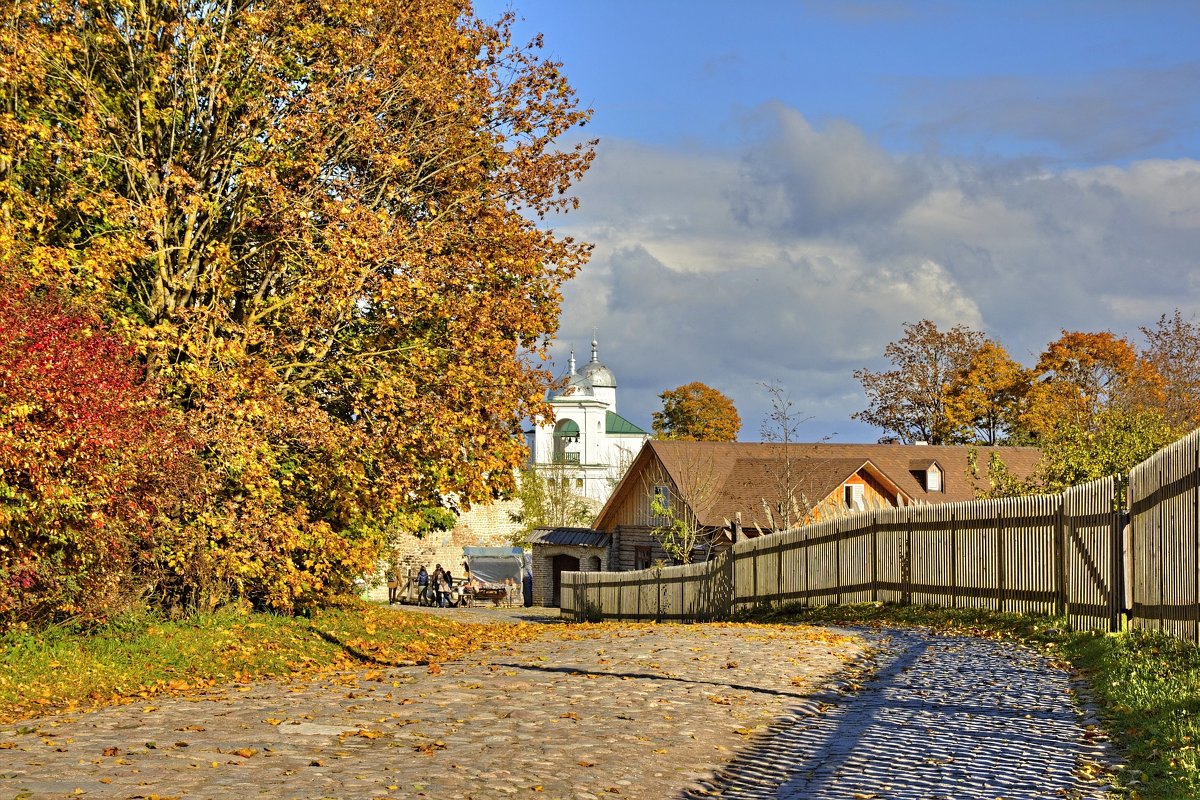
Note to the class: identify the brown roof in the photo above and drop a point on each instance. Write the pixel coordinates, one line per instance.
(745, 474)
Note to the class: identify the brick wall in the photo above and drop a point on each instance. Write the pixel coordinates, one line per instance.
(591, 559)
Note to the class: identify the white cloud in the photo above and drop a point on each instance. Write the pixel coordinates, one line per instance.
(800, 256)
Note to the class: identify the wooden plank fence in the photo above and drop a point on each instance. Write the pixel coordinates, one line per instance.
(1076, 553)
(1163, 542)
(1050, 554)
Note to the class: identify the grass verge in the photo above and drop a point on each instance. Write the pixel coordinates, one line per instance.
(139, 657)
(1145, 684)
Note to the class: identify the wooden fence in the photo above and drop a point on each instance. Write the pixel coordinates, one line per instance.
(1164, 592)
(1051, 554)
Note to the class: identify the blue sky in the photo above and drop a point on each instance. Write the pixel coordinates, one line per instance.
(781, 185)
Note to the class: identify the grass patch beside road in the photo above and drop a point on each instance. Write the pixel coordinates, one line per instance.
(1146, 685)
(136, 658)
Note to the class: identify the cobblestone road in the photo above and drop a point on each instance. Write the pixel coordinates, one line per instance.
(584, 713)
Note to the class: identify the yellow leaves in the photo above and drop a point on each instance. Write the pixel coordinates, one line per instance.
(361, 733)
(429, 748)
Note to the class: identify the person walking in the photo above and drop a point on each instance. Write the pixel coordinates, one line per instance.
(422, 586)
(436, 584)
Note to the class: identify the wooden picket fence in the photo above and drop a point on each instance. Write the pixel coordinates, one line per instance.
(1051, 554)
(1072, 553)
(1163, 546)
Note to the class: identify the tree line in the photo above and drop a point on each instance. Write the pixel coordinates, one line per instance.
(272, 286)
(1095, 403)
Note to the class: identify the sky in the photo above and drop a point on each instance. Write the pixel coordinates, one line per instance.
(780, 186)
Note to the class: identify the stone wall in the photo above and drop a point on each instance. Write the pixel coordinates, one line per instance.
(482, 526)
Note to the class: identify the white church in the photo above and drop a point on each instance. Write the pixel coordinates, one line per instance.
(589, 441)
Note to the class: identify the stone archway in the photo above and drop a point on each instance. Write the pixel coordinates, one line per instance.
(558, 565)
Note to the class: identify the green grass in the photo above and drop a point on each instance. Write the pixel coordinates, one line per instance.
(139, 657)
(1146, 685)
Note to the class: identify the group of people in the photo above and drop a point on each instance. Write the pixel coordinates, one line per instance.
(435, 589)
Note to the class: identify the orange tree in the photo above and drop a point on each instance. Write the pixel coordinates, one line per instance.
(696, 412)
(983, 402)
(317, 224)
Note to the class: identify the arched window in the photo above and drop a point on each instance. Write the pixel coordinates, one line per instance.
(566, 433)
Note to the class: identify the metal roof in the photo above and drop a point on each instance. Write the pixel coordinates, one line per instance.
(570, 537)
(616, 424)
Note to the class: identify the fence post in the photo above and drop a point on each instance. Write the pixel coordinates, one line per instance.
(779, 573)
(953, 560)
(1001, 575)
(754, 567)
(639, 598)
(905, 562)
(658, 594)
(1195, 481)
(1061, 607)
(875, 557)
(837, 561)
(682, 614)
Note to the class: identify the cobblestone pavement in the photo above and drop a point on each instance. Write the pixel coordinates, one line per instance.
(937, 718)
(596, 712)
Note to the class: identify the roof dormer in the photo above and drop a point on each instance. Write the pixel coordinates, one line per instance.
(930, 474)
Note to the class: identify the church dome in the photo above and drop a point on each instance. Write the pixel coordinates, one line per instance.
(577, 386)
(600, 376)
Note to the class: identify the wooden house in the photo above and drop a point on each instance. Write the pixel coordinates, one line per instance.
(749, 489)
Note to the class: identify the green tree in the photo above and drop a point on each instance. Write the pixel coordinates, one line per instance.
(696, 412)
(318, 225)
(548, 499)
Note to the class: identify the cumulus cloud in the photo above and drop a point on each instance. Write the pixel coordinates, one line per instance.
(798, 256)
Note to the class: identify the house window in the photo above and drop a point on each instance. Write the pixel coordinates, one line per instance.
(933, 479)
(641, 558)
(853, 495)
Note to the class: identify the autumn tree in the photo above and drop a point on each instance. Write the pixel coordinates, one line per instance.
(1173, 350)
(318, 224)
(983, 403)
(909, 400)
(1080, 376)
(1094, 407)
(90, 464)
(696, 412)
